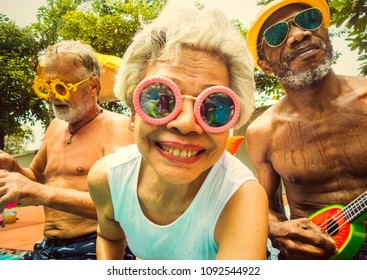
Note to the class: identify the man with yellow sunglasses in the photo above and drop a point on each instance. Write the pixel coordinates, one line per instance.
(313, 142)
(80, 134)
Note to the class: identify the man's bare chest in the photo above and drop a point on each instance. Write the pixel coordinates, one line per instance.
(315, 150)
(74, 159)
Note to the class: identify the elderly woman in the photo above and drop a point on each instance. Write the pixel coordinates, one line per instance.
(177, 194)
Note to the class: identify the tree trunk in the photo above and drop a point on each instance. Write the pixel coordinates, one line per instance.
(2, 138)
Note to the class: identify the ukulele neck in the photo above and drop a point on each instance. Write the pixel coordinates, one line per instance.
(356, 208)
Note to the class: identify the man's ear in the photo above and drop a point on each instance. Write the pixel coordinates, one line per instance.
(264, 65)
(96, 84)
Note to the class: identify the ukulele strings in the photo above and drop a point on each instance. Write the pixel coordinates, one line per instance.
(340, 218)
(340, 215)
(344, 212)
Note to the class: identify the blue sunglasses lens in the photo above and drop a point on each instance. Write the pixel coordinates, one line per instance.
(217, 109)
(276, 34)
(157, 100)
(309, 19)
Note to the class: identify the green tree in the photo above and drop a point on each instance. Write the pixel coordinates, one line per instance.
(18, 59)
(267, 87)
(49, 20)
(353, 14)
(113, 24)
(17, 142)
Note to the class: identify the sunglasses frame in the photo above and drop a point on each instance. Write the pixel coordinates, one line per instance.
(50, 86)
(178, 104)
(286, 21)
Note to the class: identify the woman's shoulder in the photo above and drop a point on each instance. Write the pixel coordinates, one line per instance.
(124, 154)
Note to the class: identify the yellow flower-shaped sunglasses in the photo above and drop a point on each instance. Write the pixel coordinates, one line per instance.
(43, 88)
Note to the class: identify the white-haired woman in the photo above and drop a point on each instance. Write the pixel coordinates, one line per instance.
(177, 194)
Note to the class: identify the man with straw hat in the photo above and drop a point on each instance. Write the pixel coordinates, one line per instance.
(313, 142)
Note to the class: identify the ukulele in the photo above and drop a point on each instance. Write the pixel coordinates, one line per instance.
(344, 225)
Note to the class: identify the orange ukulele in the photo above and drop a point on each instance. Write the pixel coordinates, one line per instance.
(344, 225)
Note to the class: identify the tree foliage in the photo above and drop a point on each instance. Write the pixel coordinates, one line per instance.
(108, 28)
(353, 14)
(17, 142)
(268, 88)
(18, 59)
(50, 20)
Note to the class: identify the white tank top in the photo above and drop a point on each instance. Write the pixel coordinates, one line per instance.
(191, 236)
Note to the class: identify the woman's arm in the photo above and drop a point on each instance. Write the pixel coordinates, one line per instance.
(242, 228)
(111, 241)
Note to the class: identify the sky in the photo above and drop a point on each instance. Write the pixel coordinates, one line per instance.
(24, 12)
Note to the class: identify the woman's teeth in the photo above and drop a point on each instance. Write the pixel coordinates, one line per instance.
(180, 153)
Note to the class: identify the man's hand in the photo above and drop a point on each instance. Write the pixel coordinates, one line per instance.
(301, 239)
(15, 187)
(7, 162)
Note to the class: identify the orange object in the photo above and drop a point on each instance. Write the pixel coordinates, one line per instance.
(10, 219)
(233, 143)
(9, 216)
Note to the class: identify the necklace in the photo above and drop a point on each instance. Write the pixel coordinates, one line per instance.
(73, 133)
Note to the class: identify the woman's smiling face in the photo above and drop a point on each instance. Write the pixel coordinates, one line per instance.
(181, 150)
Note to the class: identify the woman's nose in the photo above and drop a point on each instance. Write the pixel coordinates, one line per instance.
(185, 121)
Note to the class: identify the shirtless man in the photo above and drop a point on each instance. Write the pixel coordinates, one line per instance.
(314, 140)
(80, 134)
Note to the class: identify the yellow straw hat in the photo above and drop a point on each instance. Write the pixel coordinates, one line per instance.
(268, 10)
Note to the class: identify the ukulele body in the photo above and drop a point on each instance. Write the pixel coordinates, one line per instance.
(349, 237)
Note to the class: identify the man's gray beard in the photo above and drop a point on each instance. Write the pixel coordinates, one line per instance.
(73, 115)
(306, 78)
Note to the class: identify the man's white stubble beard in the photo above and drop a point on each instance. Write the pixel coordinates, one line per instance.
(73, 115)
(308, 77)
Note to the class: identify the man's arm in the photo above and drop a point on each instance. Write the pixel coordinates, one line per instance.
(10, 164)
(257, 146)
(26, 185)
(111, 242)
(296, 239)
(16, 187)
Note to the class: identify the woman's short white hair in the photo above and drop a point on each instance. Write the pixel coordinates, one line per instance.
(176, 28)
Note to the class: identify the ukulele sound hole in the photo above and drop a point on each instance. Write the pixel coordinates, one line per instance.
(332, 228)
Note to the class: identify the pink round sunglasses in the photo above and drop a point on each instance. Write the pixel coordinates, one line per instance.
(158, 100)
